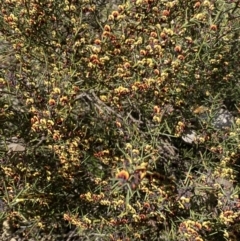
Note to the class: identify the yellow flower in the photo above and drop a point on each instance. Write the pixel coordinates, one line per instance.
(157, 119)
(56, 91)
(238, 121)
(29, 101)
(128, 146)
(201, 109)
(121, 90)
(103, 98)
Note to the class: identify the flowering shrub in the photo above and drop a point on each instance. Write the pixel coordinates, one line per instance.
(100, 96)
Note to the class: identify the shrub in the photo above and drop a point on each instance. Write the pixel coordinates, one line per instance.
(100, 95)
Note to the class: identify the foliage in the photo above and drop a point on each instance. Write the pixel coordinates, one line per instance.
(100, 96)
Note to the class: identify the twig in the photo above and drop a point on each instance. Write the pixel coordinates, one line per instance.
(101, 105)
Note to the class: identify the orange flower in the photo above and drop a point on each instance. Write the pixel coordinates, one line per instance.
(118, 124)
(116, 51)
(156, 109)
(153, 34)
(93, 57)
(123, 175)
(156, 71)
(143, 52)
(97, 41)
(126, 65)
(197, 5)
(180, 57)
(51, 102)
(115, 14)
(64, 99)
(107, 28)
(213, 27)
(178, 48)
(163, 35)
(166, 13)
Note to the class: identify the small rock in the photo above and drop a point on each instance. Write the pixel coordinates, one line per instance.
(13, 239)
(189, 136)
(6, 226)
(223, 119)
(15, 147)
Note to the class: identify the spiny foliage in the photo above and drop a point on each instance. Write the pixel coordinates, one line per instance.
(100, 95)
